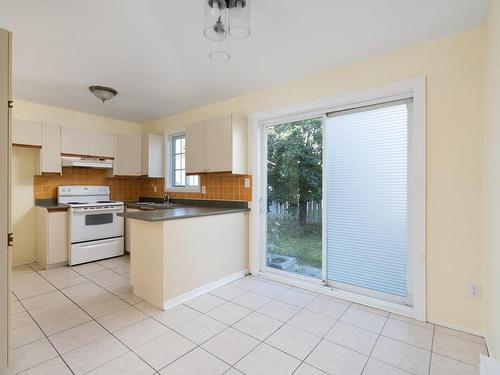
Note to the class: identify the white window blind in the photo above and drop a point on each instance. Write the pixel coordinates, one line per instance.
(367, 197)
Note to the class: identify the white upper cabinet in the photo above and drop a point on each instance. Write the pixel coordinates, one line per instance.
(196, 147)
(220, 144)
(102, 144)
(50, 155)
(75, 141)
(153, 146)
(27, 133)
(217, 145)
(128, 160)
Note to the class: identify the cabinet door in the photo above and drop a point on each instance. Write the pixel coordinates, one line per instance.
(102, 144)
(27, 133)
(57, 237)
(196, 147)
(153, 154)
(50, 155)
(75, 141)
(219, 145)
(128, 155)
(128, 231)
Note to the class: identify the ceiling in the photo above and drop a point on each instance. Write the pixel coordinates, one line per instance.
(154, 53)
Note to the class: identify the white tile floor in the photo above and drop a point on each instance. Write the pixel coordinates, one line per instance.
(86, 320)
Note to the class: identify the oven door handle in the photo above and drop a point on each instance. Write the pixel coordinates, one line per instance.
(90, 211)
(97, 244)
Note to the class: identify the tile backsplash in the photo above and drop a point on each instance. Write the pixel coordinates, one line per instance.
(218, 186)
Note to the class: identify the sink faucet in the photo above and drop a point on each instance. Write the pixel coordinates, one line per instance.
(166, 199)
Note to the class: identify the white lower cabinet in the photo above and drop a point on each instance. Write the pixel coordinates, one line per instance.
(127, 230)
(51, 237)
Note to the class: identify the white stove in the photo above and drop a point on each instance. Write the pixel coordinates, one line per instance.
(96, 231)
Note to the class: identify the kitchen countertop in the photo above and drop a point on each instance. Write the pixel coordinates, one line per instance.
(180, 212)
(51, 204)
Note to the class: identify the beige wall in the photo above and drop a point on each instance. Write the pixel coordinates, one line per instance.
(24, 166)
(492, 137)
(454, 69)
(25, 162)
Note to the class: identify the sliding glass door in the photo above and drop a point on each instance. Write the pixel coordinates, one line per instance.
(362, 153)
(294, 193)
(367, 200)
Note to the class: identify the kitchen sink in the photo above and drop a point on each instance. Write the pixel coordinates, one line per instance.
(154, 205)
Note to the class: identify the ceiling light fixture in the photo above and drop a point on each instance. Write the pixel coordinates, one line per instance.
(103, 93)
(225, 18)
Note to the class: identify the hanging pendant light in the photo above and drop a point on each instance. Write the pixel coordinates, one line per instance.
(239, 20)
(225, 18)
(216, 23)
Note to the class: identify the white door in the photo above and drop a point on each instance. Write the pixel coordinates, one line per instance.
(5, 208)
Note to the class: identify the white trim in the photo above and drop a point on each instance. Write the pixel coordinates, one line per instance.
(341, 294)
(203, 289)
(459, 328)
(414, 87)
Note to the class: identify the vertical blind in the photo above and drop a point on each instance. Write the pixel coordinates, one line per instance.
(367, 175)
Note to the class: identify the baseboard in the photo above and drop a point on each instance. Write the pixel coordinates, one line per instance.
(24, 263)
(203, 289)
(458, 328)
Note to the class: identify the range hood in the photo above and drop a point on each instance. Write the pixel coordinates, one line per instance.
(86, 162)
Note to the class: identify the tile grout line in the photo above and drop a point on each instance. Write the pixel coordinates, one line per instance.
(97, 322)
(45, 335)
(92, 319)
(322, 338)
(252, 310)
(375, 344)
(432, 349)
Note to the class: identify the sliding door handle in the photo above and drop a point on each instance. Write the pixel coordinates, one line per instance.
(10, 240)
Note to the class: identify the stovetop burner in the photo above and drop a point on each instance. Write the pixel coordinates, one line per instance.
(104, 201)
(74, 203)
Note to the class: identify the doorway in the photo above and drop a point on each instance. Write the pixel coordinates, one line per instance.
(341, 190)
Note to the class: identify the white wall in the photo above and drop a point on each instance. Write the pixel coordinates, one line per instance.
(492, 140)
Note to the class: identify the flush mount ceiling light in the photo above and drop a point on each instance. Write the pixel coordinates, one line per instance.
(225, 18)
(103, 93)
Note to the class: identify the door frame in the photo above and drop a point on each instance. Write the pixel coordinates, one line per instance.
(414, 87)
(5, 196)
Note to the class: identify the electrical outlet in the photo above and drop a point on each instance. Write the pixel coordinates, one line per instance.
(474, 290)
(203, 190)
(155, 188)
(247, 183)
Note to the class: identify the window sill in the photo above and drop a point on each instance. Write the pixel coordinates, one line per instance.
(189, 189)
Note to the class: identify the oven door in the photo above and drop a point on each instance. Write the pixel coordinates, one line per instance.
(89, 224)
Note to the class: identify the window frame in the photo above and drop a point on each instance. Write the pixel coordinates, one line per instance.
(169, 178)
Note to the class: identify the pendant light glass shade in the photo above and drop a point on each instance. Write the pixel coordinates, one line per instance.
(239, 19)
(219, 56)
(219, 51)
(216, 19)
